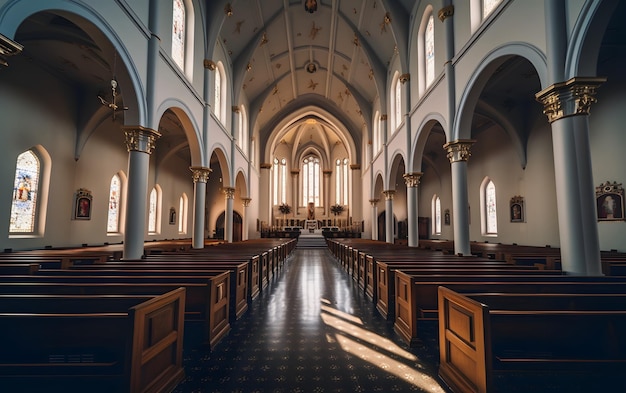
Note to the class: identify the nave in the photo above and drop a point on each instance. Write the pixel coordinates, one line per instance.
(312, 330)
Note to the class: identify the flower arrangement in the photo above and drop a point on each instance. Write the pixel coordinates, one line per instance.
(337, 209)
(284, 208)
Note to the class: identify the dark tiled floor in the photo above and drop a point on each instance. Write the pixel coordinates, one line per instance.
(311, 330)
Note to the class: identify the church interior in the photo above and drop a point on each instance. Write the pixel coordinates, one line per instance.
(291, 154)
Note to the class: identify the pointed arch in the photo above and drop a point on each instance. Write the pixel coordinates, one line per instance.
(488, 208)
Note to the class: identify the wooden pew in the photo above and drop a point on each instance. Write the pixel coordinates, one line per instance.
(122, 344)
(416, 297)
(206, 304)
(239, 274)
(482, 336)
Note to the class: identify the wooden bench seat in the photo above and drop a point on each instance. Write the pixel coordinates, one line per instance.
(207, 303)
(486, 335)
(239, 275)
(87, 343)
(416, 297)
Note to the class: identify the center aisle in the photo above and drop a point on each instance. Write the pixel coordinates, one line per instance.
(311, 330)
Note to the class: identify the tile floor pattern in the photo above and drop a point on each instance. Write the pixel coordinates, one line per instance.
(311, 330)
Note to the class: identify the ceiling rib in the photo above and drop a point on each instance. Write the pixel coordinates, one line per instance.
(288, 31)
(331, 47)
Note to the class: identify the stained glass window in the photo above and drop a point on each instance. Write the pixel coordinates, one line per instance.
(345, 181)
(182, 214)
(178, 33)
(152, 213)
(490, 208)
(488, 6)
(311, 180)
(429, 45)
(113, 221)
(398, 104)
(283, 180)
(275, 176)
(437, 214)
(24, 205)
(217, 110)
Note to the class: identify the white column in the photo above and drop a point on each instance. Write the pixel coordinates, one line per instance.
(389, 194)
(327, 203)
(458, 154)
(228, 219)
(246, 203)
(412, 180)
(200, 177)
(140, 143)
(294, 184)
(567, 106)
(374, 203)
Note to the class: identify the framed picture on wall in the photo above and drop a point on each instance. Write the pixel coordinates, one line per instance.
(446, 217)
(610, 201)
(82, 204)
(172, 216)
(517, 209)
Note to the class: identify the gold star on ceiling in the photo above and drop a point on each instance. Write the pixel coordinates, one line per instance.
(314, 31)
(313, 85)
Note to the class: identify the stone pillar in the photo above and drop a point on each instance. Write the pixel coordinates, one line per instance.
(458, 154)
(228, 219)
(140, 143)
(567, 105)
(246, 203)
(374, 203)
(412, 180)
(265, 196)
(294, 184)
(389, 194)
(200, 177)
(327, 203)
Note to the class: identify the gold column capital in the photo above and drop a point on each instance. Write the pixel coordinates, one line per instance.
(389, 194)
(374, 202)
(246, 201)
(459, 150)
(210, 65)
(570, 98)
(229, 192)
(139, 138)
(383, 117)
(445, 12)
(355, 167)
(200, 173)
(235, 109)
(412, 179)
(404, 78)
(327, 172)
(295, 172)
(266, 165)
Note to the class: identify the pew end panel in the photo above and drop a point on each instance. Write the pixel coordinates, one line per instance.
(464, 355)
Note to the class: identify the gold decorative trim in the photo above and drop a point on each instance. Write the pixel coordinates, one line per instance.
(355, 167)
(246, 201)
(295, 171)
(235, 109)
(383, 117)
(570, 98)
(229, 192)
(265, 165)
(374, 202)
(412, 180)
(327, 172)
(445, 12)
(200, 173)
(210, 64)
(459, 150)
(140, 139)
(404, 78)
(389, 194)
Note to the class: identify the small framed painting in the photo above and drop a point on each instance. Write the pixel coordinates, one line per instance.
(517, 209)
(82, 204)
(610, 201)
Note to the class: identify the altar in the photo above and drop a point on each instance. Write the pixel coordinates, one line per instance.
(311, 225)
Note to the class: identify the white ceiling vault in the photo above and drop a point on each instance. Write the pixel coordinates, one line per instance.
(285, 57)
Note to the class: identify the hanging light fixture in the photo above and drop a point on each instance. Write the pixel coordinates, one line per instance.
(113, 103)
(310, 6)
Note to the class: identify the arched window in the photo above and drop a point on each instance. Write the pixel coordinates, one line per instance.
(488, 6)
(311, 180)
(219, 91)
(280, 181)
(154, 211)
(179, 28)
(182, 213)
(242, 137)
(345, 181)
(436, 215)
(338, 182)
(488, 208)
(115, 192)
(429, 47)
(252, 151)
(25, 194)
(396, 103)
